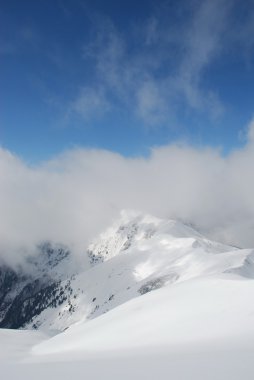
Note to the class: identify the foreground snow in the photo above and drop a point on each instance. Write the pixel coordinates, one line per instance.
(198, 329)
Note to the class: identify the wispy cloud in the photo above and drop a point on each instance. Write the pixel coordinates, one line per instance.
(151, 107)
(90, 104)
(154, 68)
(202, 42)
(242, 31)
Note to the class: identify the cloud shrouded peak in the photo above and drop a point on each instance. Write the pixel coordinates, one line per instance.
(73, 197)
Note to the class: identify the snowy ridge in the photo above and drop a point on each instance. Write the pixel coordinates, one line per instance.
(134, 227)
(136, 255)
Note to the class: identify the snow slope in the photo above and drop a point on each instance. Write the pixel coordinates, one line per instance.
(135, 256)
(203, 311)
(198, 329)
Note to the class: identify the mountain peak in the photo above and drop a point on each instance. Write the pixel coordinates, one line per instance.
(129, 229)
(139, 253)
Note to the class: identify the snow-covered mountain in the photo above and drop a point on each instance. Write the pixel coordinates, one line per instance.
(137, 254)
(157, 300)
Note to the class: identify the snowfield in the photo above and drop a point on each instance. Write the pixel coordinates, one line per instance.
(200, 329)
(190, 314)
(159, 302)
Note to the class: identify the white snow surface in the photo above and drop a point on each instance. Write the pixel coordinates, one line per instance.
(198, 329)
(162, 302)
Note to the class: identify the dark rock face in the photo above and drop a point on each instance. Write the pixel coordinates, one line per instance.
(24, 295)
(157, 283)
(7, 278)
(31, 301)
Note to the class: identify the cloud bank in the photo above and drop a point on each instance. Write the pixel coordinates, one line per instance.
(73, 197)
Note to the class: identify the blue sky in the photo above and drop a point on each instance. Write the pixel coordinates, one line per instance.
(124, 76)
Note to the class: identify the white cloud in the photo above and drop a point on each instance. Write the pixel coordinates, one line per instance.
(73, 197)
(250, 133)
(91, 103)
(151, 106)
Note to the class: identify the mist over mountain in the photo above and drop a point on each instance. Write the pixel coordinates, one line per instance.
(72, 198)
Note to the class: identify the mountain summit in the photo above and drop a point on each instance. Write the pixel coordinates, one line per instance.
(136, 255)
